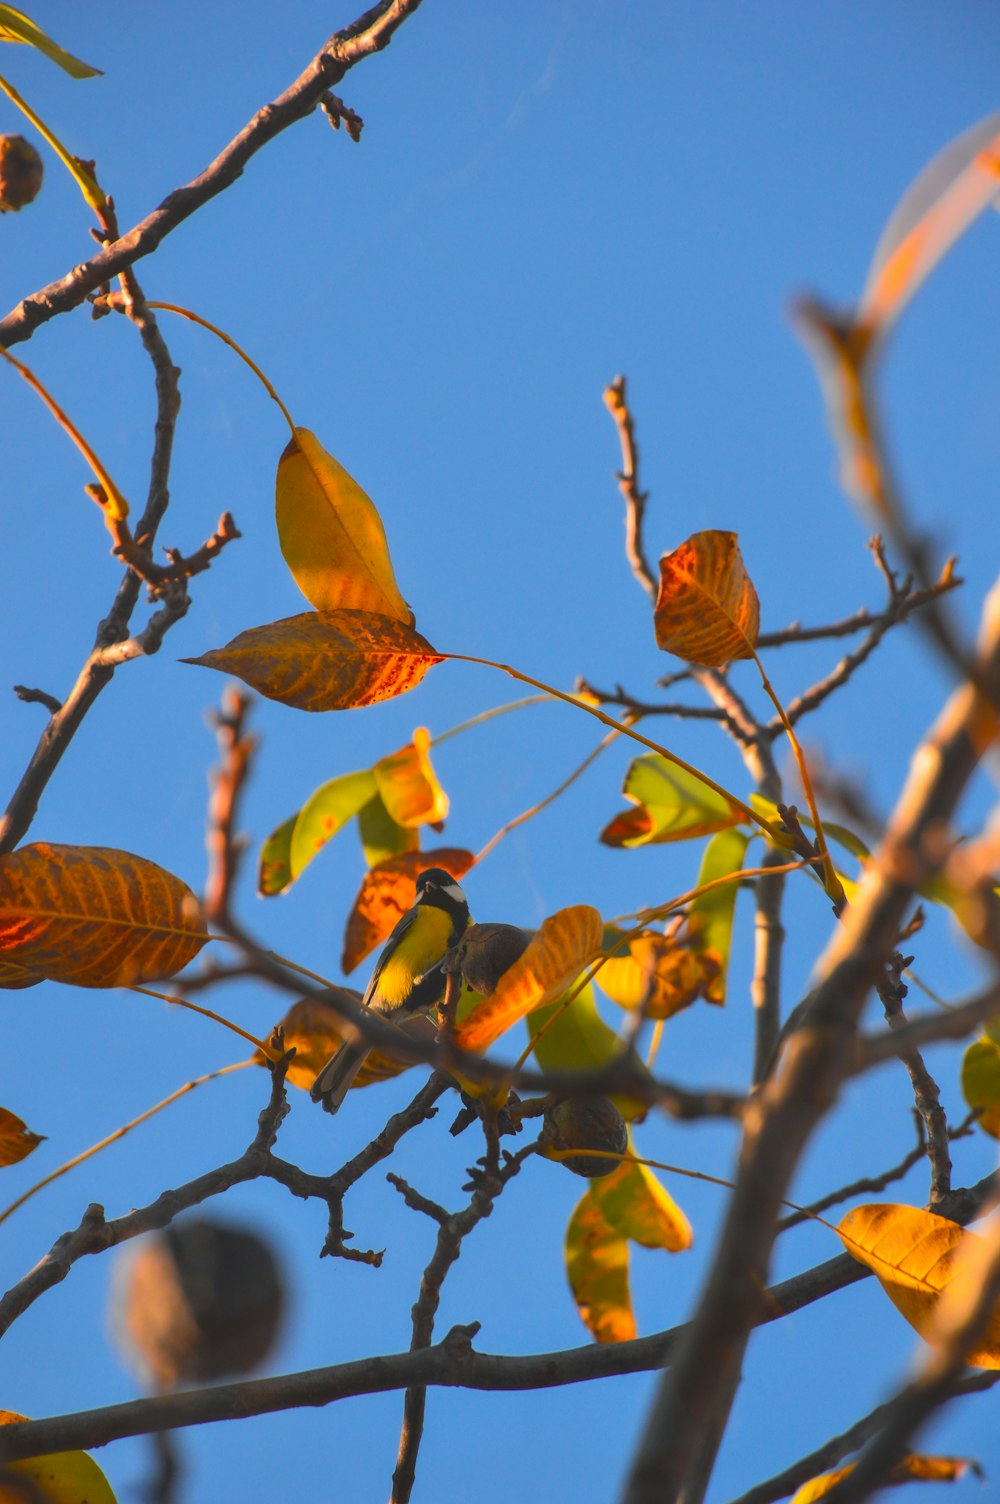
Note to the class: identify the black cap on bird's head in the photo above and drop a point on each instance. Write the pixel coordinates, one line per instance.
(437, 887)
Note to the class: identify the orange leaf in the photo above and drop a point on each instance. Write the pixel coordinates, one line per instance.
(655, 971)
(555, 956)
(313, 1028)
(707, 609)
(913, 1468)
(924, 1263)
(331, 534)
(16, 1139)
(386, 892)
(408, 785)
(333, 661)
(95, 917)
(597, 1267)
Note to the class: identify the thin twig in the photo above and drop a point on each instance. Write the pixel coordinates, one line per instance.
(628, 483)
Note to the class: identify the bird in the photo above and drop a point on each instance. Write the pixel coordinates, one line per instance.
(408, 978)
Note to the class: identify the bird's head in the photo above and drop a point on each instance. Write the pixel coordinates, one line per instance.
(437, 887)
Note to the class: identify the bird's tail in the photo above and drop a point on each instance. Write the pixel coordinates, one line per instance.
(337, 1076)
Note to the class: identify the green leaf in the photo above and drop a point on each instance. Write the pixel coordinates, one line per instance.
(981, 1080)
(597, 1269)
(381, 836)
(15, 26)
(274, 870)
(324, 813)
(710, 920)
(579, 1040)
(673, 805)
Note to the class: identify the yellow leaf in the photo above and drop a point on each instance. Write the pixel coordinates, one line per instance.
(918, 1258)
(654, 971)
(331, 534)
(673, 806)
(556, 954)
(707, 610)
(386, 892)
(59, 1478)
(313, 1029)
(15, 26)
(635, 1204)
(913, 1468)
(16, 1139)
(95, 917)
(408, 785)
(331, 661)
(597, 1267)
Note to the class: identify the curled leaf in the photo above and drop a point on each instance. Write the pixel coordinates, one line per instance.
(331, 534)
(386, 892)
(408, 784)
(597, 1269)
(672, 806)
(655, 972)
(707, 610)
(95, 917)
(331, 661)
(567, 942)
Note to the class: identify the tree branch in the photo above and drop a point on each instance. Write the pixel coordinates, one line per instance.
(628, 483)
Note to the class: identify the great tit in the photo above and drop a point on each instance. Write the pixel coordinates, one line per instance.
(407, 978)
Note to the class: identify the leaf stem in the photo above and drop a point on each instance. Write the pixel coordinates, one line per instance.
(195, 318)
(183, 1002)
(85, 181)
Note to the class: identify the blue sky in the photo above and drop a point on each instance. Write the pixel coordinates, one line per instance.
(544, 195)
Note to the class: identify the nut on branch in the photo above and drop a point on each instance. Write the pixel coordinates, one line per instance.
(588, 1125)
(21, 173)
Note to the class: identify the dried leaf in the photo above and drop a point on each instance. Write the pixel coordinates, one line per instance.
(313, 1029)
(913, 1468)
(15, 26)
(95, 917)
(707, 610)
(635, 1204)
(673, 806)
(655, 972)
(567, 942)
(981, 1083)
(16, 1139)
(331, 534)
(920, 1260)
(386, 892)
(710, 917)
(408, 784)
(59, 1477)
(334, 661)
(597, 1268)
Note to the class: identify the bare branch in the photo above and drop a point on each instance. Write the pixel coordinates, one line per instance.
(369, 34)
(628, 483)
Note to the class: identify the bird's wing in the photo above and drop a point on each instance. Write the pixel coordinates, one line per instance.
(390, 945)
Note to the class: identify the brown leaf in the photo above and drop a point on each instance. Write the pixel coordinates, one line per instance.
(16, 1139)
(707, 610)
(95, 917)
(386, 892)
(314, 1029)
(567, 941)
(333, 661)
(655, 971)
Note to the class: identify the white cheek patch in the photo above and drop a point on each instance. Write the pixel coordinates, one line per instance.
(454, 892)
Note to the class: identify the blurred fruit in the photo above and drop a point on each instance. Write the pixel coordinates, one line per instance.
(20, 173)
(197, 1301)
(585, 1123)
(485, 952)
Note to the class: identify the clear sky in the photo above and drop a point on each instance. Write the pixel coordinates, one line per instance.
(545, 194)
